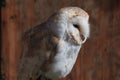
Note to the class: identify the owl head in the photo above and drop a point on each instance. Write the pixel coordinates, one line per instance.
(71, 21)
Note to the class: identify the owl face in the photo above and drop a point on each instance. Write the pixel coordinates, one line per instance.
(70, 21)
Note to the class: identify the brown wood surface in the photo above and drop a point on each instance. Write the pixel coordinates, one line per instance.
(99, 58)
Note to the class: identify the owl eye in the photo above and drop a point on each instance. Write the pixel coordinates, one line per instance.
(76, 26)
(81, 35)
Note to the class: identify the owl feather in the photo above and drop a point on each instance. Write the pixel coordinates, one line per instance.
(51, 48)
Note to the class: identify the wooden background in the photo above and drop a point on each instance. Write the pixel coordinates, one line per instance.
(99, 58)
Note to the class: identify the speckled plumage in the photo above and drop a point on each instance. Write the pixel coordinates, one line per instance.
(51, 48)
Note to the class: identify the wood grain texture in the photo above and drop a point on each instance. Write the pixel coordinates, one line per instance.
(99, 58)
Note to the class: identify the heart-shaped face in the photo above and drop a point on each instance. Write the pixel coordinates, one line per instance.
(72, 20)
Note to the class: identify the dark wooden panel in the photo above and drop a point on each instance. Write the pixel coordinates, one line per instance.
(11, 35)
(99, 58)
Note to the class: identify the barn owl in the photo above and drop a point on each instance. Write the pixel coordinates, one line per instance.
(51, 48)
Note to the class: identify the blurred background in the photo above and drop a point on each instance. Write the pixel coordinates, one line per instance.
(99, 58)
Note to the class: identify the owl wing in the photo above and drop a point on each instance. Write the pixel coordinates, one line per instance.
(39, 48)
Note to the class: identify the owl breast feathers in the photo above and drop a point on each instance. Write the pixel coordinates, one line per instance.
(51, 48)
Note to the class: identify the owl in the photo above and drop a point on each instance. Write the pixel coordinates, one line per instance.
(50, 49)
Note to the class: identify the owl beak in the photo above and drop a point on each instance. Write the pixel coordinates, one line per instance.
(83, 38)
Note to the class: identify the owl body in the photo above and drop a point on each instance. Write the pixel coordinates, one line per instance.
(64, 59)
(51, 48)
